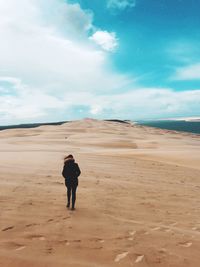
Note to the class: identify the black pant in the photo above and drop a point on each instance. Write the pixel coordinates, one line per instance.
(71, 189)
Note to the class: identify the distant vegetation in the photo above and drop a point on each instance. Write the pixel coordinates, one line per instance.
(30, 125)
(120, 121)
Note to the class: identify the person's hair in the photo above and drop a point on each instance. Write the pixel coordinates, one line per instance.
(68, 157)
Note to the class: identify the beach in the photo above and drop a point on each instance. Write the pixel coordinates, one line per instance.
(138, 201)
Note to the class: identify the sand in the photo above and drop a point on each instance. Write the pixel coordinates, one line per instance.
(138, 200)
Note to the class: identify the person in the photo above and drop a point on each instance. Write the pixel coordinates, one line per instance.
(71, 172)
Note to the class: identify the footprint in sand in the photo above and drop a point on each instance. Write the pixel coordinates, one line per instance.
(37, 237)
(31, 224)
(186, 244)
(7, 228)
(196, 229)
(76, 240)
(49, 250)
(139, 258)
(14, 246)
(20, 248)
(162, 250)
(97, 240)
(121, 256)
(66, 217)
(50, 220)
(132, 233)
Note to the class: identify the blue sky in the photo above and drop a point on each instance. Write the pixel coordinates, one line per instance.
(127, 59)
(155, 37)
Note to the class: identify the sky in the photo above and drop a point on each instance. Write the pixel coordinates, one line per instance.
(106, 59)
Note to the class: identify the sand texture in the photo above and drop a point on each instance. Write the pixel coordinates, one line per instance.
(138, 200)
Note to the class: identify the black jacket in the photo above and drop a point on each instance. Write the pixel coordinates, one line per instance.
(71, 172)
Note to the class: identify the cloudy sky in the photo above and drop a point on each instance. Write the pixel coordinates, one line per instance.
(71, 59)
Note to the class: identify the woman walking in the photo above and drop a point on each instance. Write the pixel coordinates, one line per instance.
(71, 173)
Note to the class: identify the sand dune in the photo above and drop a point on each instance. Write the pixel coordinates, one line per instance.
(138, 201)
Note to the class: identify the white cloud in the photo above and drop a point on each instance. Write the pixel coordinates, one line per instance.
(121, 4)
(24, 104)
(37, 53)
(146, 103)
(138, 103)
(67, 19)
(45, 46)
(191, 72)
(183, 51)
(107, 40)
